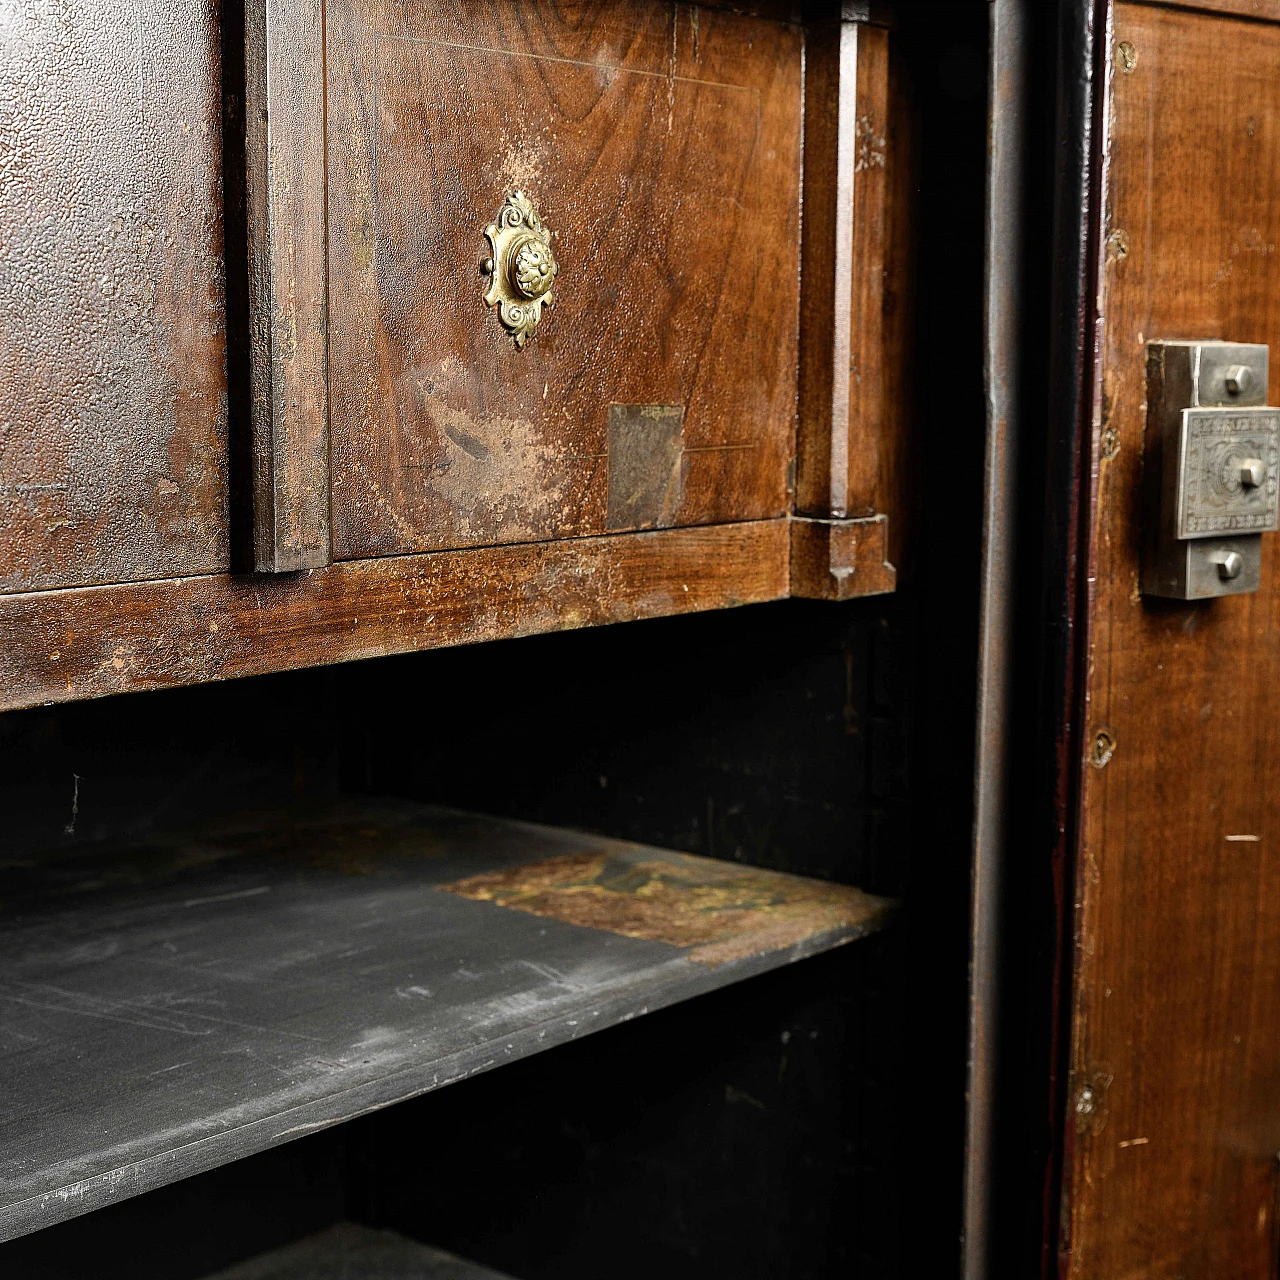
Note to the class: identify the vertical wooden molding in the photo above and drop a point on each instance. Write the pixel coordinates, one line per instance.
(843, 245)
(840, 559)
(288, 303)
(826, 241)
(860, 485)
(846, 344)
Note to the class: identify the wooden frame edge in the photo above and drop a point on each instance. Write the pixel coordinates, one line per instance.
(86, 642)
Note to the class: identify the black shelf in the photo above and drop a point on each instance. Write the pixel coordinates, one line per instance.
(169, 1008)
(352, 1252)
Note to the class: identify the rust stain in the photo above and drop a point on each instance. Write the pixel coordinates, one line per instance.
(720, 910)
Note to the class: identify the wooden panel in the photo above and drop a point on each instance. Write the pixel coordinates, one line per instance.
(113, 428)
(661, 145)
(167, 1009)
(350, 1251)
(57, 646)
(285, 183)
(1176, 1039)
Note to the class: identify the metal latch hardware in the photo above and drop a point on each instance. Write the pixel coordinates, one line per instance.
(1212, 469)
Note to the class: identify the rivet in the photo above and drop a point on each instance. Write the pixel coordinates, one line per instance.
(1239, 379)
(1118, 246)
(1104, 747)
(1253, 473)
(1230, 565)
(1126, 56)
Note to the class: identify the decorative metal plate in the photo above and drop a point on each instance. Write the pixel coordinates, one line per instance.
(522, 267)
(1213, 498)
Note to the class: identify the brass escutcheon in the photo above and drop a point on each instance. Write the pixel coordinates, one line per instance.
(522, 267)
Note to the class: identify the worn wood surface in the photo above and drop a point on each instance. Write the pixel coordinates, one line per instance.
(168, 1008)
(661, 146)
(1174, 1106)
(285, 181)
(113, 430)
(350, 1251)
(57, 646)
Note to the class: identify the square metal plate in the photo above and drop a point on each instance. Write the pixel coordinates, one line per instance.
(1211, 498)
(1210, 364)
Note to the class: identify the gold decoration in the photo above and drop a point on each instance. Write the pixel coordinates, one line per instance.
(522, 267)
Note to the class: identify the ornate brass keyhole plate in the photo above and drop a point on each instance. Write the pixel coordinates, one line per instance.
(522, 267)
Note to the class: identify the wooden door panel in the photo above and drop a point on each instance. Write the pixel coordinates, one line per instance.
(1176, 1043)
(661, 145)
(112, 319)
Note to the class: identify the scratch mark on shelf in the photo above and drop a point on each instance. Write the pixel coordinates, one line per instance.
(228, 897)
(70, 828)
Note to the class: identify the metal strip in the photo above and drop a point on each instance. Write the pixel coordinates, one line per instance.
(1003, 279)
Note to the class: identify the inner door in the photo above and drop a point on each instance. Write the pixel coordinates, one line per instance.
(657, 148)
(1174, 1103)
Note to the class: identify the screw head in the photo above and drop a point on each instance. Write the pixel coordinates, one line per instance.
(1253, 473)
(487, 267)
(1239, 379)
(1229, 565)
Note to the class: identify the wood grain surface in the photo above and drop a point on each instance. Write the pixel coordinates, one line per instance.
(113, 432)
(168, 1008)
(1175, 1104)
(661, 146)
(62, 645)
(288, 303)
